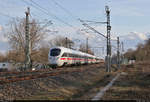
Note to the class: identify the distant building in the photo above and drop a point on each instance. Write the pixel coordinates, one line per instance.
(6, 66)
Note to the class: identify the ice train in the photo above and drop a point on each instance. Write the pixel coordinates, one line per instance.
(60, 56)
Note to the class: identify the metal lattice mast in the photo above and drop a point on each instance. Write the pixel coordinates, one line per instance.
(108, 57)
(66, 42)
(118, 52)
(87, 45)
(122, 52)
(28, 42)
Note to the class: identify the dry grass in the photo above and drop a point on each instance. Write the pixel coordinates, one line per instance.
(68, 86)
(85, 85)
(135, 85)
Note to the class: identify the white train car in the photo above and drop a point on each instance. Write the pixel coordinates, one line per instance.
(59, 56)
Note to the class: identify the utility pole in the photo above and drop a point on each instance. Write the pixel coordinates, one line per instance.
(66, 42)
(122, 46)
(122, 52)
(87, 45)
(118, 52)
(28, 41)
(108, 57)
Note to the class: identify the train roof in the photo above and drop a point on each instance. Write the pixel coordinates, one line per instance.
(73, 51)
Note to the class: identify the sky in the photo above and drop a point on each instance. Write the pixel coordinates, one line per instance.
(129, 19)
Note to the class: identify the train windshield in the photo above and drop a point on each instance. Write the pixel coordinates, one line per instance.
(55, 52)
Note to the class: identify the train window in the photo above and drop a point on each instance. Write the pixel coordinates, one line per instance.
(64, 55)
(55, 52)
(72, 55)
(77, 56)
(69, 55)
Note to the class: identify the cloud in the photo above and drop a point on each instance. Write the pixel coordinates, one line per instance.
(69, 32)
(113, 37)
(141, 36)
(3, 38)
(1, 28)
(131, 37)
(87, 34)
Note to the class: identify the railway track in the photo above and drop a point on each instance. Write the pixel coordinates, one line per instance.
(9, 77)
(14, 73)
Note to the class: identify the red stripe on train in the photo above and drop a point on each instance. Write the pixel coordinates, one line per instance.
(71, 59)
(75, 59)
(62, 58)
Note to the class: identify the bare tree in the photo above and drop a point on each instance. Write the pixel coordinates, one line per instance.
(130, 54)
(2, 57)
(15, 32)
(84, 49)
(61, 41)
(142, 52)
(41, 55)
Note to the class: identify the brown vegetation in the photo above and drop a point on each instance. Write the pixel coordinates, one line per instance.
(83, 48)
(134, 84)
(15, 32)
(62, 41)
(2, 57)
(142, 53)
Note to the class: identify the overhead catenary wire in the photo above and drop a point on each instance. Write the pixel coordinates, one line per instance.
(64, 9)
(45, 11)
(95, 22)
(36, 8)
(86, 25)
(6, 15)
(68, 12)
(35, 15)
(52, 15)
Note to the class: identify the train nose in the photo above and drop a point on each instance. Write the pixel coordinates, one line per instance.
(53, 60)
